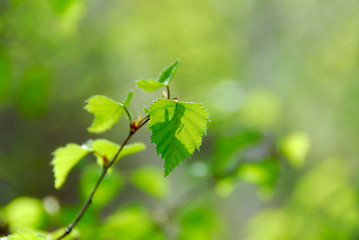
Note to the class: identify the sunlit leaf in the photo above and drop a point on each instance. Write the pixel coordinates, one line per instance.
(106, 111)
(168, 73)
(177, 129)
(25, 236)
(150, 180)
(149, 85)
(145, 109)
(103, 147)
(65, 158)
(128, 99)
(111, 185)
(296, 147)
(24, 213)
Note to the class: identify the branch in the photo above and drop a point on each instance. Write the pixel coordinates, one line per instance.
(89, 200)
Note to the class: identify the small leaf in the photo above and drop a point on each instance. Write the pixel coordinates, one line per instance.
(65, 159)
(107, 112)
(25, 236)
(149, 179)
(177, 129)
(145, 109)
(128, 99)
(149, 85)
(109, 149)
(168, 73)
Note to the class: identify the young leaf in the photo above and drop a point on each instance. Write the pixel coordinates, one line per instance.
(107, 112)
(65, 159)
(128, 99)
(149, 85)
(168, 73)
(177, 129)
(109, 149)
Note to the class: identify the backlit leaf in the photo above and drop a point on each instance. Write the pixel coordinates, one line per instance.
(107, 112)
(149, 85)
(65, 158)
(168, 73)
(103, 147)
(177, 129)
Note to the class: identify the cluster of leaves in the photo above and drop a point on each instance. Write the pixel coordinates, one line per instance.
(177, 130)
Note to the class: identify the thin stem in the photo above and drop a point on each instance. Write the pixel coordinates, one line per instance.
(128, 113)
(145, 119)
(168, 92)
(89, 200)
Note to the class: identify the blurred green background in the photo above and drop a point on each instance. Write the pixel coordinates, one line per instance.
(278, 77)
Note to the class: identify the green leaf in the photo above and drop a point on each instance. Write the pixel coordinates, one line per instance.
(128, 99)
(168, 73)
(145, 109)
(177, 129)
(65, 159)
(109, 149)
(149, 85)
(107, 112)
(25, 236)
(149, 179)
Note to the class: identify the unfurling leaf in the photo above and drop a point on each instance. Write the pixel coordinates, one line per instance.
(65, 158)
(108, 149)
(177, 129)
(107, 112)
(149, 85)
(167, 74)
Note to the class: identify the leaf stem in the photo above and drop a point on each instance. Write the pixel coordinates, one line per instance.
(168, 92)
(128, 113)
(89, 200)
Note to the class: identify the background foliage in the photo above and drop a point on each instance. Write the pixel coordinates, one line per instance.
(279, 79)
